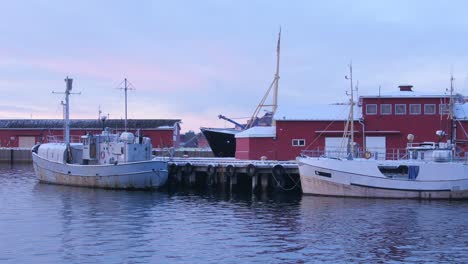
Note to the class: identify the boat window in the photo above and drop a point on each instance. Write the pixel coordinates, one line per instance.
(400, 109)
(429, 109)
(298, 142)
(371, 109)
(394, 171)
(415, 109)
(385, 109)
(400, 172)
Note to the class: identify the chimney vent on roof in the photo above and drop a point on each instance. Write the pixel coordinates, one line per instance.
(406, 88)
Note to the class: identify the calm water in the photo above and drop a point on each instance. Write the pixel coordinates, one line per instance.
(42, 223)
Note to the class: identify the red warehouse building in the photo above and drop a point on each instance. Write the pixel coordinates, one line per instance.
(381, 125)
(27, 132)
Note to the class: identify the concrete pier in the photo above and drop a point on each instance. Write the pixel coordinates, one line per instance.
(12, 155)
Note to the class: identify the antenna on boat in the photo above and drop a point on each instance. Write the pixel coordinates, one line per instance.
(274, 84)
(351, 111)
(68, 88)
(126, 88)
(451, 115)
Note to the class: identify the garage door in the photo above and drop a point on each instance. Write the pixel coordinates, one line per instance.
(334, 146)
(376, 144)
(26, 142)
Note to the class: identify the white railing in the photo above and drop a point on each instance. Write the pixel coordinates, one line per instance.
(389, 154)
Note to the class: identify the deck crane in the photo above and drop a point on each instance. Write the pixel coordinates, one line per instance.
(231, 121)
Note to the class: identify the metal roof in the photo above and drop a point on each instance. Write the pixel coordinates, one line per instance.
(86, 123)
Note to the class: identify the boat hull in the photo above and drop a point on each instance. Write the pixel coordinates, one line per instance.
(134, 175)
(222, 141)
(330, 178)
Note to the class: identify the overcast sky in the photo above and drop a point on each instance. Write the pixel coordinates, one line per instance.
(194, 60)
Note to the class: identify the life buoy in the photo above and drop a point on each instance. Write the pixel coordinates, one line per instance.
(230, 170)
(251, 170)
(103, 154)
(367, 155)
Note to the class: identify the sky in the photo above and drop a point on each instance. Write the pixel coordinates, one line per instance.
(194, 60)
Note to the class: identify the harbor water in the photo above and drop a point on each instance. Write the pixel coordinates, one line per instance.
(41, 223)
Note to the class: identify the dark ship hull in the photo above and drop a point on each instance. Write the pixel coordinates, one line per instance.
(222, 141)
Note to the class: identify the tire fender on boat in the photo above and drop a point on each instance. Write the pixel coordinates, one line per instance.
(188, 168)
(211, 170)
(278, 170)
(103, 154)
(173, 168)
(251, 170)
(230, 170)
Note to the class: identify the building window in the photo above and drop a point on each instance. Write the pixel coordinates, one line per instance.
(415, 109)
(400, 109)
(444, 109)
(385, 109)
(371, 109)
(298, 142)
(429, 109)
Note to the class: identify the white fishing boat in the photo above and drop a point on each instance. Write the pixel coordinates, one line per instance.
(107, 160)
(428, 170)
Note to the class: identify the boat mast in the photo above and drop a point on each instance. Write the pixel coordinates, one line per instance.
(68, 88)
(274, 84)
(275, 94)
(451, 115)
(126, 88)
(351, 110)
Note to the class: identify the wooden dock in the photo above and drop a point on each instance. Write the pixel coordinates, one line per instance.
(235, 175)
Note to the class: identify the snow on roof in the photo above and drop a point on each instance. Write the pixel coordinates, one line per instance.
(406, 94)
(258, 132)
(461, 111)
(84, 123)
(317, 112)
(221, 130)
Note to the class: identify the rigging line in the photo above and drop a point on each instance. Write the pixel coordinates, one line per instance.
(296, 183)
(119, 85)
(464, 131)
(319, 135)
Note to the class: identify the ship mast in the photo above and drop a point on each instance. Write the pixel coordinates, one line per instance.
(126, 88)
(273, 85)
(352, 108)
(276, 80)
(351, 112)
(451, 115)
(68, 88)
